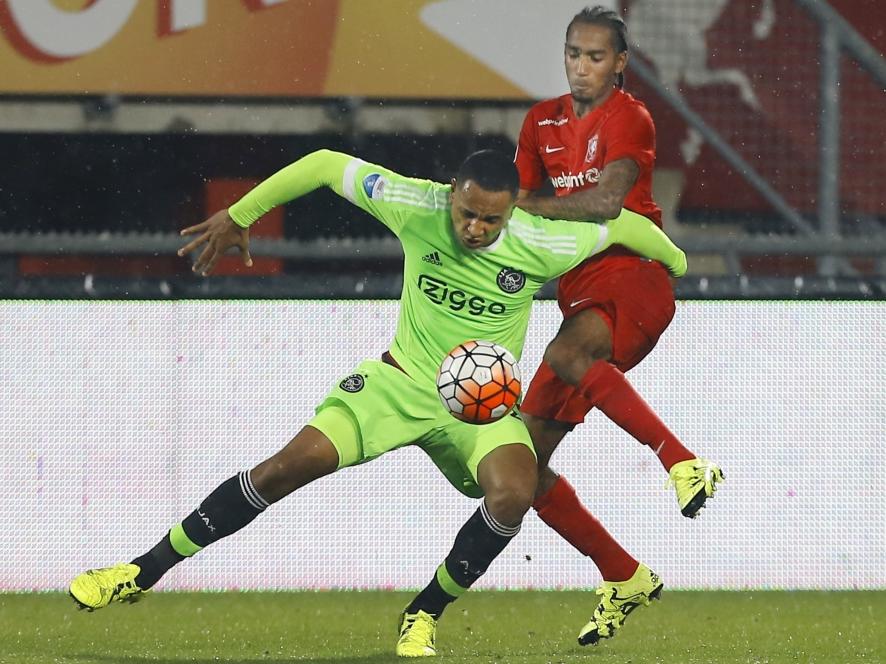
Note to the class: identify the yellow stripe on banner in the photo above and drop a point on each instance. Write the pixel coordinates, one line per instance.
(393, 54)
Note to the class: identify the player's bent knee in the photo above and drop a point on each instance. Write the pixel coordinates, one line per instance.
(507, 510)
(558, 356)
(571, 362)
(507, 476)
(508, 504)
(581, 341)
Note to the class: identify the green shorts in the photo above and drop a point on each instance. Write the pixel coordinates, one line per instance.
(379, 408)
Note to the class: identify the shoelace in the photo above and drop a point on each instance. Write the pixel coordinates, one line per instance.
(127, 585)
(419, 627)
(121, 590)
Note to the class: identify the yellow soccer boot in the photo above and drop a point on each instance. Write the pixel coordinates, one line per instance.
(618, 599)
(96, 588)
(418, 631)
(694, 481)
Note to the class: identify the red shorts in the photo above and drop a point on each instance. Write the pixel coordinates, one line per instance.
(634, 297)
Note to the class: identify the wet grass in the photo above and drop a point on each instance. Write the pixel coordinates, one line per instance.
(508, 627)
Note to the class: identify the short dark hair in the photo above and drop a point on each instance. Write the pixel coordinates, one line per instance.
(491, 170)
(607, 18)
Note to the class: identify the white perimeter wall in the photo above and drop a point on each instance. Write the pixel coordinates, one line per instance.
(117, 418)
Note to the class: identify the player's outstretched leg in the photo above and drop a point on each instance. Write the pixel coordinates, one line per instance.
(558, 505)
(609, 390)
(230, 507)
(627, 583)
(581, 357)
(507, 476)
(560, 508)
(617, 601)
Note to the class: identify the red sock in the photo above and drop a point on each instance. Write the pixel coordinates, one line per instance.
(611, 392)
(561, 509)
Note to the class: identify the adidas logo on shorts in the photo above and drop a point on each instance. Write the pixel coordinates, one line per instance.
(433, 258)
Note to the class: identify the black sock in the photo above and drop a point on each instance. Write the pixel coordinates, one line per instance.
(477, 544)
(156, 562)
(233, 505)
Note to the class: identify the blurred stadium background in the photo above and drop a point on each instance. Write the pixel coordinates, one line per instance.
(122, 121)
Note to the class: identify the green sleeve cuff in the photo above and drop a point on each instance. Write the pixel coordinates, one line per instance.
(318, 169)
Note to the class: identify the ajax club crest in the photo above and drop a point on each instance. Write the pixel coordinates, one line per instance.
(353, 383)
(511, 280)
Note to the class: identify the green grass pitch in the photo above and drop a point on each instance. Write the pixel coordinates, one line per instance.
(484, 626)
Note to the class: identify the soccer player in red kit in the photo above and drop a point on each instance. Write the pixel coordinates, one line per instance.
(596, 145)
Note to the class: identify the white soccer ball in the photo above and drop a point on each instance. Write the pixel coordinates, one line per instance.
(479, 381)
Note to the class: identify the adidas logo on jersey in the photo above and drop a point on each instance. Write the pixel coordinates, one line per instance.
(433, 258)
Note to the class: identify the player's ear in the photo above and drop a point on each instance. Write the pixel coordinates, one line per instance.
(621, 62)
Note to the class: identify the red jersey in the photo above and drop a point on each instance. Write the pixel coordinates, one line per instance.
(632, 295)
(572, 152)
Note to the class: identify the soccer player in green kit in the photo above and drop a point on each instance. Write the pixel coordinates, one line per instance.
(489, 260)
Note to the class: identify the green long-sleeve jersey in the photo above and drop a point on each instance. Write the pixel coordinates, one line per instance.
(451, 293)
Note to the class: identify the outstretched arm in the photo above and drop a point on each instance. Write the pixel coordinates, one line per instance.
(230, 228)
(323, 168)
